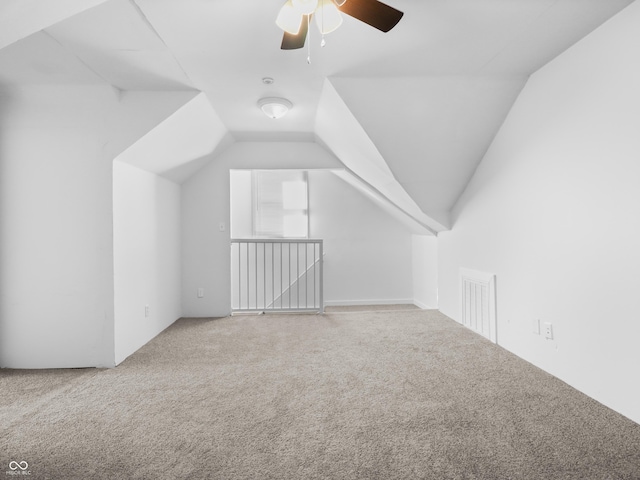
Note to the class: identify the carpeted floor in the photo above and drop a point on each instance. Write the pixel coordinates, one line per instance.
(398, 394)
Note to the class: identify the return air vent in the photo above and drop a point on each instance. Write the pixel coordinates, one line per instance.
(478, 295)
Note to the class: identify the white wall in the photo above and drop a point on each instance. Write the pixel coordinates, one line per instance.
(424, 253)
(241, 223)
(146, 235)
(554, 211)
(352, 234)
(56, 276)
(57, 145)
(206, 204)
(367, 251)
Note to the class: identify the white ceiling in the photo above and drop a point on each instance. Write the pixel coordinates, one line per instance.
(429, 95)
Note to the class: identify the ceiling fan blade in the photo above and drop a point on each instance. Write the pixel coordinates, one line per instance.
(372, 12)
(293, 42)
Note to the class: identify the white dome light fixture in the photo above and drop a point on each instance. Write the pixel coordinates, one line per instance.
(274, 107)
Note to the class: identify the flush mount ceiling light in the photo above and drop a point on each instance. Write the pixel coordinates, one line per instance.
(274, 107)
(295, 17)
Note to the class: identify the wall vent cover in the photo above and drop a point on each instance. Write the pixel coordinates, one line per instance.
(478, 295)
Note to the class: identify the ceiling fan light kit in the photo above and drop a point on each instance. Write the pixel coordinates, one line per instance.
(328, 17)
(289, 18)
(274, 107)
(305, 7)
(295, 15)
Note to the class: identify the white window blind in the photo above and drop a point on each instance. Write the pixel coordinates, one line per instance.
(280, 204)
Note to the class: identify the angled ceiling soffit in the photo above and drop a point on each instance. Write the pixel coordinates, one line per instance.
(182, 143)
(116, 41)
(136, 113)
(382, 202)
(338, 129)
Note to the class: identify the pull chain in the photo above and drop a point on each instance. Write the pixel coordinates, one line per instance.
(322, 43)
(309, 39)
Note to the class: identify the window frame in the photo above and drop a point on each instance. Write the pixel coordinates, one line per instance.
(256, 211)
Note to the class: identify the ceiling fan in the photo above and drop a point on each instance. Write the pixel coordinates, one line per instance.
(295, 17)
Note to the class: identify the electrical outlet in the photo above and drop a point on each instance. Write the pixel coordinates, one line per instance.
(200, 292)
(146, 310)
(548, 331)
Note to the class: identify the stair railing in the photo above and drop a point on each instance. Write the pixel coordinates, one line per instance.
(277, 275)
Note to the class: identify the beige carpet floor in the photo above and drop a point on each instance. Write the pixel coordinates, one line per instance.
(398, 394)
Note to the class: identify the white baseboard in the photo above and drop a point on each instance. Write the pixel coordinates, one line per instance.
(423, 306)
(399, 301)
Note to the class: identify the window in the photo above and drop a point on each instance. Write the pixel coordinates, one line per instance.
(280, 204)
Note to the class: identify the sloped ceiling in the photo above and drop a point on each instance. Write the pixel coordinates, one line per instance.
(339, 130)
(115, 40)
(427, 98)
(453, 119)
(181, 144)
(21, 18)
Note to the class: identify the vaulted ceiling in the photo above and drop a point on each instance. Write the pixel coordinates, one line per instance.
(410, 112)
